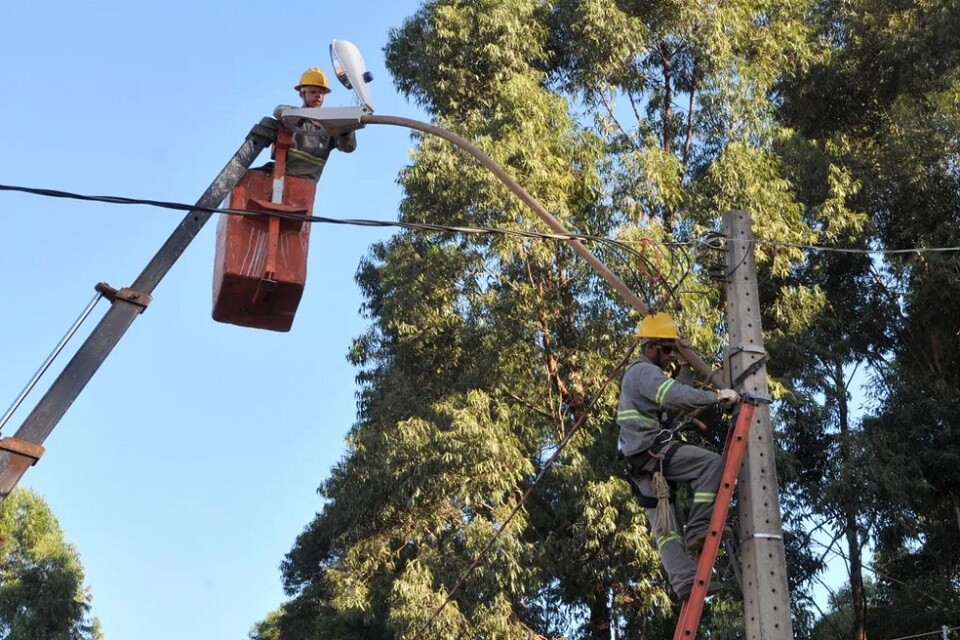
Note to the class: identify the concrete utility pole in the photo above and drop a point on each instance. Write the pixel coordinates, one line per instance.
(766, 596)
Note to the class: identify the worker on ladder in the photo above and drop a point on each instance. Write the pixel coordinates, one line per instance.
(653, 456)
(311, 144)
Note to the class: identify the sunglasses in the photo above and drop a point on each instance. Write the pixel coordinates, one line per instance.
(665, 348)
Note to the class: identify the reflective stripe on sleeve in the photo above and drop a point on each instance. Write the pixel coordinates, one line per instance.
(662, 391)
(306, 157)
(632, 414)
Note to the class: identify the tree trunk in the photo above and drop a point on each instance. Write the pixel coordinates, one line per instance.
(854, 547)
(667, 118)
(599, 626)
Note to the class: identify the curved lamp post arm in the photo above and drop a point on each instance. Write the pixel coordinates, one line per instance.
(619, 285)
(632, 299)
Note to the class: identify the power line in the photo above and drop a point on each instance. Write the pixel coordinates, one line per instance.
(928, 633)
(815, 247)
(714, 241)
(419, 226)
(872, 568)
(620, 248)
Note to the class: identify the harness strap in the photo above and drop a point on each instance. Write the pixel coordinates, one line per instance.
(664, 452)
(668, 455)
(647, 502)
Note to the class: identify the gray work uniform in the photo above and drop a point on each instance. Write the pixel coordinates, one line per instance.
(645, 393)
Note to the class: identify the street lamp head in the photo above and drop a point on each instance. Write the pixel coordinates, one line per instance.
(351, 70)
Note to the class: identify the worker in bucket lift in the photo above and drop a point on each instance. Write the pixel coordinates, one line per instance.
(654, 458)
(311, 143)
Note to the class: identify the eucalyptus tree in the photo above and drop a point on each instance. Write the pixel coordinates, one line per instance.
(635, 121)
(884, 107)
(42, 594)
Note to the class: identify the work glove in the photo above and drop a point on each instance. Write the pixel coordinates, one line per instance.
(728, 397)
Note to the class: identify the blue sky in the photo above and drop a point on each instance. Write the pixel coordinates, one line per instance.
(189, 464)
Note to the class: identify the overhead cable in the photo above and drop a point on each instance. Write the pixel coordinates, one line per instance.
(711, 242)
(928, 633)
(421, 226)
(817, 247)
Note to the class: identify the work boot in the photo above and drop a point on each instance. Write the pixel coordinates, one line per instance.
(696, 545)
(715, 586)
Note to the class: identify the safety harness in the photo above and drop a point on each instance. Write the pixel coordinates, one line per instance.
(665, 447)
(636, 465)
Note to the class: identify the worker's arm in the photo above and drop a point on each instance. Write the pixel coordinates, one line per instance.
(672, 394)
(280, 109)
(711, 376)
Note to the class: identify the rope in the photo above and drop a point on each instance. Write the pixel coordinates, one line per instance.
(664, 521)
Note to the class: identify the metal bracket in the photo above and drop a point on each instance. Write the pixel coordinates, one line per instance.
(756, 399)
(749, 371)
(126, 294)
(335, 120)
(763, 536)
(746, 348)
(717, 271)
(23, 454)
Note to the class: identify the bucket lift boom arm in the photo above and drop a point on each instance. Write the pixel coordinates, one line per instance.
(19, 452)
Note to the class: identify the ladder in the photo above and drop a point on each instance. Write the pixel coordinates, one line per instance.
(733, 450)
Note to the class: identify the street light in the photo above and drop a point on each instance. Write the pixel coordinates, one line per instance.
(351, 71)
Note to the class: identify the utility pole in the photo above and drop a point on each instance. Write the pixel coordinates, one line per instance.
(766, 597)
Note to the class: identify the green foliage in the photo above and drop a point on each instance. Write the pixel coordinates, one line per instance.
(881, 107)
(270, 628)
(833, 122)
(41, 578)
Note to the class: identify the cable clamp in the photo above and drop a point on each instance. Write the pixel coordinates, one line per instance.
(755, 398)
(764, 536)
(746, 348)
(126, 294)
(714, 240)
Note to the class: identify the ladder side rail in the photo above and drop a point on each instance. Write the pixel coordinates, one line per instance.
(733, 452)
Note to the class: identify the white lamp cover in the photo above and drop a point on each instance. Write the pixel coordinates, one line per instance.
(351, 70)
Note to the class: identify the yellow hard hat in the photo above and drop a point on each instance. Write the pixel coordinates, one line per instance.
(314, 77)
(658, 326)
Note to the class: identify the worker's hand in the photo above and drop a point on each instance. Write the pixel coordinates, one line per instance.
(728, 397)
